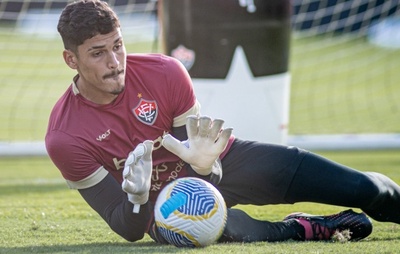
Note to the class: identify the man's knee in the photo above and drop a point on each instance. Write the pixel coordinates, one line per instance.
(383, 198)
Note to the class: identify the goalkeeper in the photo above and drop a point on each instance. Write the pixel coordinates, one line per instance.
(129, 124)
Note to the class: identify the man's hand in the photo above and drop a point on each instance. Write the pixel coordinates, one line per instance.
(206, 141)
(137, 174)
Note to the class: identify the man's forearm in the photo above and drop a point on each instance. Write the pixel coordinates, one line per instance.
(111, 203)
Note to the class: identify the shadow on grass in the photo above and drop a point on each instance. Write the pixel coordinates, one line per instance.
(98, 248)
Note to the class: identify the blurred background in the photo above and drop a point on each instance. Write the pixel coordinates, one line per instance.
(344, 61)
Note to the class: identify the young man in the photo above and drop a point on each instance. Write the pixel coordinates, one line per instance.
(129, 124)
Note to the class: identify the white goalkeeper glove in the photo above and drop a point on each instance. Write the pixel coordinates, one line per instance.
(137, 174)
(206, 141)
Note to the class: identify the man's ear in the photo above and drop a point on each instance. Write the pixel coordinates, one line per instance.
(70, 59)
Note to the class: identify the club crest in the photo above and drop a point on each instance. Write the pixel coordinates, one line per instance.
(146, 111)
(184, 55)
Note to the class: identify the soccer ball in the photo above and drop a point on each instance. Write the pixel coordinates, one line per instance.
(190, 212)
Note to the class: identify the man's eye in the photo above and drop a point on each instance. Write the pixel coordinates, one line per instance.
(95, 54)
(117, 47)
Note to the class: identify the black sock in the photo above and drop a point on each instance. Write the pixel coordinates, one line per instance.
(242, 228)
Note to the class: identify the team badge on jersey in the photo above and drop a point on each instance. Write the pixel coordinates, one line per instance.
(146, 111)
(184, 55)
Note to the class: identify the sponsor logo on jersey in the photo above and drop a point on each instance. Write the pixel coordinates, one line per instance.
(184, 55)
(104, 135)
(146, 111)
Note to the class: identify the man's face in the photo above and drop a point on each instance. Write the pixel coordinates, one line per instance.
(100, 63)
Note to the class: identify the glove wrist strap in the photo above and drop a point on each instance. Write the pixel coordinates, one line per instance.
(214, 173)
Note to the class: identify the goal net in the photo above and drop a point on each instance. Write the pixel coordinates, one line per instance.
(343, 65)
(33, 72)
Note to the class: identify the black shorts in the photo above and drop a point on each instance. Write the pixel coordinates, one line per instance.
(258, 173)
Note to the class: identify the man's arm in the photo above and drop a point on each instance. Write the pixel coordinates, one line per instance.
(180, 133)
(100, 189)
(112, 204)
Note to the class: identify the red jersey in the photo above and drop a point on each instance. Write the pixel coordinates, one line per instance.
(86, 141)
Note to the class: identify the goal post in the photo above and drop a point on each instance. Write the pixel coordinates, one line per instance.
(344, 66)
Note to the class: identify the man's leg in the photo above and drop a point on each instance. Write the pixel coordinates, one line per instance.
(240, 227)
(320, 180)
(299, 226)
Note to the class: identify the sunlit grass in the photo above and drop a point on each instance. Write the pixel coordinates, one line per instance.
(39, 214)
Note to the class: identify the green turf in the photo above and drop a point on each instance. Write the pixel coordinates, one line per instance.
(33, 76)
(343, 85)
(337, 86)
(39, 214)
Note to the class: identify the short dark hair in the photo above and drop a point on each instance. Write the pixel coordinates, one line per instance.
(84, 19)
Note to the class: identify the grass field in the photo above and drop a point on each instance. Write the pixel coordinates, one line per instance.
(33, 76)
(343, 85)
(337, 86)
(39, 214)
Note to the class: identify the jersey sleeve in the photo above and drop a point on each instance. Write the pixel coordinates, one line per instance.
(77, 166)
(181, 92)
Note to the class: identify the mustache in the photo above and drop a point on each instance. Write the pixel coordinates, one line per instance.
(112, 74)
